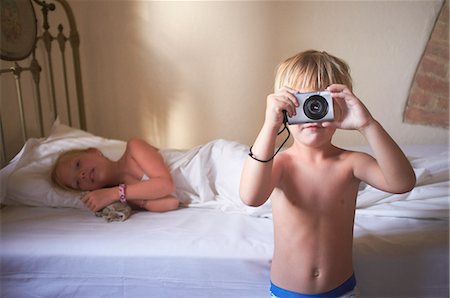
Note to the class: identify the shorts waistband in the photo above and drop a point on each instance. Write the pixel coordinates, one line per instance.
(345, 287)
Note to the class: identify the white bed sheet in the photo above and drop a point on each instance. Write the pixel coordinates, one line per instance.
(401, 257)
(191, 252)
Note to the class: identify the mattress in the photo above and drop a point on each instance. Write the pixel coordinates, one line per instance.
(62, 252)
(196, 252)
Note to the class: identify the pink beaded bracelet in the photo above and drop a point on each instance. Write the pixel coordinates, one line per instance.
(122, 197)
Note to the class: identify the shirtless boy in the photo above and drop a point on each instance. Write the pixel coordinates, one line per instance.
(313, 185)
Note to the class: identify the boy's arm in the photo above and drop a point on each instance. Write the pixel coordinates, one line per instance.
(258, 178)
(257, 181)
(391, 171)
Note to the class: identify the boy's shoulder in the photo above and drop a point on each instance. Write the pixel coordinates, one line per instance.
(336, 153)
(350, 154)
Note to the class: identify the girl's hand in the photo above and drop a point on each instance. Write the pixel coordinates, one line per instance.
(98, 199)
(283, 100)
(350, 111)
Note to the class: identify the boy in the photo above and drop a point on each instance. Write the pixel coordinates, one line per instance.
(313, 184)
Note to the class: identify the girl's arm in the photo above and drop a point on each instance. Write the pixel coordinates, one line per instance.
(153, 194)
(160, 183)
(258, 179)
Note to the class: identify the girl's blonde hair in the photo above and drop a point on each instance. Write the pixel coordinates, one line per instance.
(54, 175)
(312, 70)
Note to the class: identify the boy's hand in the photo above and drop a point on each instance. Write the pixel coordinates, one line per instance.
(277, 103)
(350, 111)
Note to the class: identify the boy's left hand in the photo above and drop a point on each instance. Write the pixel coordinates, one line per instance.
(350, 112)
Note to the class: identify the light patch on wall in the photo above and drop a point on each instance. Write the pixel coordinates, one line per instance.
(182, 111)
(160, 76)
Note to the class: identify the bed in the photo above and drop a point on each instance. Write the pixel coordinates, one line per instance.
(213, 245)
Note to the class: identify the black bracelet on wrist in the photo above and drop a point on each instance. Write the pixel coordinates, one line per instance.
(257, 159)
(284, 142)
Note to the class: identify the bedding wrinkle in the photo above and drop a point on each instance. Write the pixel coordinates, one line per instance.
(207, 176)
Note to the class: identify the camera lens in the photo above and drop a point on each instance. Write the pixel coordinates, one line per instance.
(315, 107)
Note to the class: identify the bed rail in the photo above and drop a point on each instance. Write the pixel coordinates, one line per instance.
(46, 86)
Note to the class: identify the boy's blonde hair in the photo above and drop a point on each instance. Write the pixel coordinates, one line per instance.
(54, 176)
(312, 70)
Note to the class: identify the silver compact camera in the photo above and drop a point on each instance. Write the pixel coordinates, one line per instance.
(313, 107)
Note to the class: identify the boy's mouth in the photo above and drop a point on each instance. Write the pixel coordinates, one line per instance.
(312, 125)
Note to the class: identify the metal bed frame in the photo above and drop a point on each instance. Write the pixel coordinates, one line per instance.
(47, 70)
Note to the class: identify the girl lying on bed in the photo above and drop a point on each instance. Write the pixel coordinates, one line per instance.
(139, 178)
(206, 176)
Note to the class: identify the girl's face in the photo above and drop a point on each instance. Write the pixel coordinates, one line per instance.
(83, 171)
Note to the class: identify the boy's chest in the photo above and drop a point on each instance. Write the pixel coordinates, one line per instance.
(323, 184)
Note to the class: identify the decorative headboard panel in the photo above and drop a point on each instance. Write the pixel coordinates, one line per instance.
(40, 74)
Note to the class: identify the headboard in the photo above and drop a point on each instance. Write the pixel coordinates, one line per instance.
(40, 73)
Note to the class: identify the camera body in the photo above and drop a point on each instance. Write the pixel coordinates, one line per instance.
(313, 107)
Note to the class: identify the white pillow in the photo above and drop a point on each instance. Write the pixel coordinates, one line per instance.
(26, 179)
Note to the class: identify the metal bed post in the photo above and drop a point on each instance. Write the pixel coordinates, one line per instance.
(34, 67)
(75, 44)
(2, 140)
(62, 46)
(47, 38)
(16, 70)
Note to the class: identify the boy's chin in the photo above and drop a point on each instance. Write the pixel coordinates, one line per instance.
(312, 140)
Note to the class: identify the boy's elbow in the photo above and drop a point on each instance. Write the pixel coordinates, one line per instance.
(407, 186)
(251, 203)
(411, 182)
(249, 200)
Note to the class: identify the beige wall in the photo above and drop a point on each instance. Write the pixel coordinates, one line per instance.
(182, 73)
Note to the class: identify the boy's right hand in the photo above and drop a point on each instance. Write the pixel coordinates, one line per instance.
(282, 100)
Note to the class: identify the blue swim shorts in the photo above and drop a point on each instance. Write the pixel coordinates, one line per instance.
(348, 286)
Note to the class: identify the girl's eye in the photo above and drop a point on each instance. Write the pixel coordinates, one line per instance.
(77, 164)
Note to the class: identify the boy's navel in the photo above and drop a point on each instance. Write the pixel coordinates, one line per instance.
(316, 273)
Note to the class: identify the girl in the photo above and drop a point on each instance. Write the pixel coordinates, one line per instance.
(139, 178)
